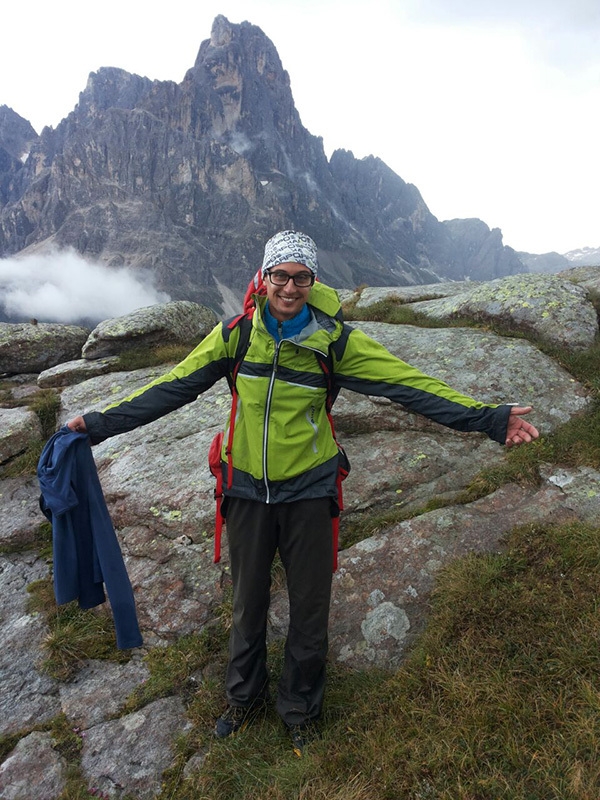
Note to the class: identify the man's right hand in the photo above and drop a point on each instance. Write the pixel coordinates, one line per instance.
(77, 424)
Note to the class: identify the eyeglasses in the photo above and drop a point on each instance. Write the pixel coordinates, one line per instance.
(279, 277)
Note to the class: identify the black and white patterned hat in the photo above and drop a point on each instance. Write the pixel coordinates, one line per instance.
(290, 246)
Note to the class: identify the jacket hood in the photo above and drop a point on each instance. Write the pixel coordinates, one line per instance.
(325, 299)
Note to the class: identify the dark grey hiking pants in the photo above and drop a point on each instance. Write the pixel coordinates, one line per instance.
(302, 533)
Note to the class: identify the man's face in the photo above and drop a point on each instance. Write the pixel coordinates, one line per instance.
(287, 301)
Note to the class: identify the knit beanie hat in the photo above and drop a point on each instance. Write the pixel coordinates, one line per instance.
(290, 246)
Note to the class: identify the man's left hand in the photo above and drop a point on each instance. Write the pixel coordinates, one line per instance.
(518, 430)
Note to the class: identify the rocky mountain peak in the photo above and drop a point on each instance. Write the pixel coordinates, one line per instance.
(239, 79)
(243, 47)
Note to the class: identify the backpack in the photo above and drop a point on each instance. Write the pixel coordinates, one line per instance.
(244, 322)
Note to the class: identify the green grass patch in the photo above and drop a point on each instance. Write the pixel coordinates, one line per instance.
(45, 403)
(140, 357)
(173, 668)
(392, 310)
(8, 742)
(25, 463)
(258, 762)
(76, 634)
(577, 442)
(583, 365)
(66, 739)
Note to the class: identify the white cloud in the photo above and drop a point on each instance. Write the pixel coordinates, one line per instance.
(62, 286)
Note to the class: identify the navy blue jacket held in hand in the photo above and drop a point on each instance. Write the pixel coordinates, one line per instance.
(87, 555)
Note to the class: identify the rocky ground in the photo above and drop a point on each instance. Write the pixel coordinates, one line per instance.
(159, 492)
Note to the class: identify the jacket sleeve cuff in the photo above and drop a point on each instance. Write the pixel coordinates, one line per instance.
(95, 427)
(501, 427)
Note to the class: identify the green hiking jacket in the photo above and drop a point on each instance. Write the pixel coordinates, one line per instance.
(283, 447)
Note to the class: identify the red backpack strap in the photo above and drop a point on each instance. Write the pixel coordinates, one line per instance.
(244, 323)
(326, 364)
(215, 462)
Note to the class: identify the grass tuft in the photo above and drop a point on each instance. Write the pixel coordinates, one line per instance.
(8, 742)
(25, 463)
(42, 543)
(46, 404)
(76, 634)
(392, 310)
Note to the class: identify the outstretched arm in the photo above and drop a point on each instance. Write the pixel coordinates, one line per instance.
(364, 365)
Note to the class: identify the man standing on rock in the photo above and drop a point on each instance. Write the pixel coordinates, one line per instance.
(282, 492)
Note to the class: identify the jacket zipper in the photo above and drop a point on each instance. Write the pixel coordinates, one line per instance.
(268, 407)
(266, 420)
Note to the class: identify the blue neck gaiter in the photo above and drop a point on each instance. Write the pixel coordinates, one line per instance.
(290, 327)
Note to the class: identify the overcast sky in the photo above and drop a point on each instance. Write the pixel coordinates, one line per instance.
(490, 107)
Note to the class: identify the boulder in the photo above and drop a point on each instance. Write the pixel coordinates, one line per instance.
(491, 368)
(160, 491)
(75, 371)
(19, 427)
(556, 310)
(179, 322)
(25, 347)
(177, 585)
(347, 295)
(94, 394)
(588, 277)
(395, 455)
(33, 770)
(411, 294)
(170, 455)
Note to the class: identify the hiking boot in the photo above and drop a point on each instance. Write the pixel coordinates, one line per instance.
(301, 736)
(235, 719)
